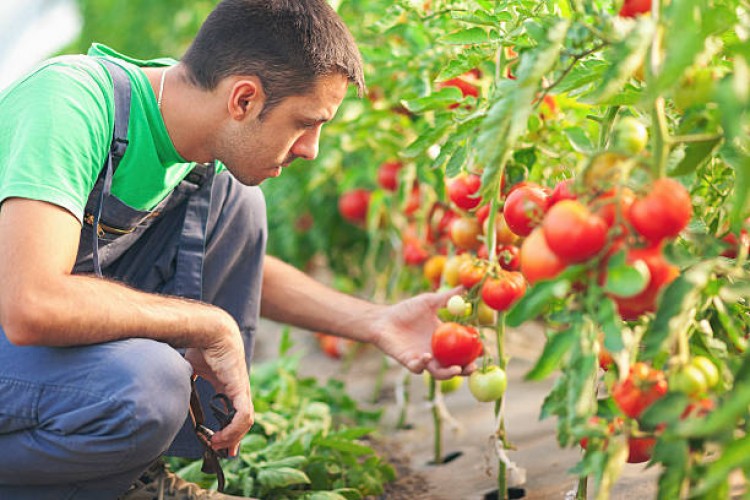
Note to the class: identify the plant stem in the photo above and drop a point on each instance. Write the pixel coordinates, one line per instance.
(401, 423)
(583, 486)
(606, 125)
(502, 473)
(661, 139)
(437, 422)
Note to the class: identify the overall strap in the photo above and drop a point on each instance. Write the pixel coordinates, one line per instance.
(121, 83)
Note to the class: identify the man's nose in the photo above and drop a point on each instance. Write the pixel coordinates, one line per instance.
(307, 146)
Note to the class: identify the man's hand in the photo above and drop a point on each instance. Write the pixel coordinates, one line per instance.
(404, 332)
(223, 365)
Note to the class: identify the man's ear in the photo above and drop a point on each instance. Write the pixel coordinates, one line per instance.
(246, 97)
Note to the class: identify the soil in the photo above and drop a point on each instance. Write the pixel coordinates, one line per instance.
(469, 470)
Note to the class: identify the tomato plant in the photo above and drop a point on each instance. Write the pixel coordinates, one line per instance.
(572, 232)
(663, 212)
(455, 344)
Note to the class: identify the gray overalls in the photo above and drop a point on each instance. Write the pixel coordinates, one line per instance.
(84, 422)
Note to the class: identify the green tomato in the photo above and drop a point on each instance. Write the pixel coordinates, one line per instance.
(457, 306)
(488, 385)
(630, 136)
(709, 369)
(688, 379)
(446, 386)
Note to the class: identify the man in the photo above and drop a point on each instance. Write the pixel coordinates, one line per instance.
(95, 371)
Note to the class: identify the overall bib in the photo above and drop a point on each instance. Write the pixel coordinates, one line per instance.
(84, 422)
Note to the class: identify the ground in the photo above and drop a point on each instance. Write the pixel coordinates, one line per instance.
(472, 474)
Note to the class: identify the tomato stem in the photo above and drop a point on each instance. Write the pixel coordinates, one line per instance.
(437, 422)
(502, 480)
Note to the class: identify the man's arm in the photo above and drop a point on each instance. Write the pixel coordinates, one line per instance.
(402, 330)
(42, 303)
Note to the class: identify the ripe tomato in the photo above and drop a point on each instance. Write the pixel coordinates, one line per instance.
(470, 274)
(388, 175)
(333, 346)
(643, 386)
(465, 233)
(463, 84)
(538, 262)
(663, 212)
(640, 449)
(524, 208)
(353, 205)
(415, 253)
(632, 8)
(454, 344)
(605, 359)
(488, 384)
(614, 204)
(563, 191)
(502, 292)
(414, 200)
(573, 232)
(462, 191)
(630, 136)
(661, 274)
(482, 214)
(508, 256)
(503, 234)
(433, 269)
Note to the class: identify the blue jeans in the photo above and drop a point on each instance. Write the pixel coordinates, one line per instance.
(84, 422)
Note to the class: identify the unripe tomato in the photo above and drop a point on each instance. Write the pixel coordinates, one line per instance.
(489, 384)
(451, 268)
(688, 379)
(433, 269)
(446, 386)
(632, 8)
(465, 233)
(502, 292)
(462, 191)
(486, 316)
(538, 262)
(663, 212)
(697, 88)
(457, 306)
(524, 209)
(708, 368)
(454, 344)
(388, 175)
(604, 170)
(353, 205)
(630, 136)
(572, 232)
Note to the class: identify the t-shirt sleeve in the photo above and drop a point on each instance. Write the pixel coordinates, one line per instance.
(55, 130)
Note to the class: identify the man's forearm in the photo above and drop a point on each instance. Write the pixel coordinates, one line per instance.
(78, 310)
(292, 297)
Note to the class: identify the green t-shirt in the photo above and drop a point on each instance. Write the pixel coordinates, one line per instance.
(56, 127)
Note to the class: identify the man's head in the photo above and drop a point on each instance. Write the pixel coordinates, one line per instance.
(287, 44)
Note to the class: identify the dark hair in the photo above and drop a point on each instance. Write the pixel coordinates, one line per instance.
(288, 44)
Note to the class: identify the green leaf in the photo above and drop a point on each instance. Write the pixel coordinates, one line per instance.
(344, 445)
(535, 301)
(735, 455)
(282, 477)
(626, 280)
(557, 346)
(696, 154)
(457, 161)
(427, 139)
(579, 140)
(466, 37)
(295, 462)
(624, 57)
(440, 99)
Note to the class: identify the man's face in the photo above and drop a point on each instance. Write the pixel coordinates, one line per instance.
(254, 150)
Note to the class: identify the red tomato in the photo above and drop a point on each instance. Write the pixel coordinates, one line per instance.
(388, 175)
(463, 84)
(415, 253)
(524, 208)
(538, 262)
(462, 191)
(661, 274)
(632, 8)
(454, 344)
(562, 192)
(414, 201)
(483, 213)
(573, 232)
(663, 212)
(470, 273)
(640, 449)
(508, 256)
(643, 386)
(353, 205)
(609, 203)
(333, 347)
(502, 292)
(605, 359)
